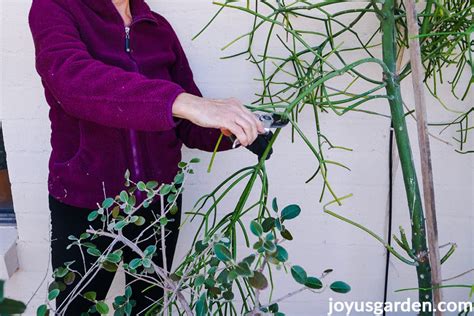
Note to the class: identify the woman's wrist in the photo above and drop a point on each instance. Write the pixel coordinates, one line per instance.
(185, 105)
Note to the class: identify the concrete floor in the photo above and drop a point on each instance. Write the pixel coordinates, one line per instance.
(31, 288)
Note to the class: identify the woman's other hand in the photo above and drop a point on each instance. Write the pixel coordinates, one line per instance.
(225, 114)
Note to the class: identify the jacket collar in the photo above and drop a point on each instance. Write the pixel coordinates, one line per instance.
(140, 10)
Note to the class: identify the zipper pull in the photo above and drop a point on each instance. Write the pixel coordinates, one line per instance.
(127, 39)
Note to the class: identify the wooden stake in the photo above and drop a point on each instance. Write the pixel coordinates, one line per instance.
(425, 151)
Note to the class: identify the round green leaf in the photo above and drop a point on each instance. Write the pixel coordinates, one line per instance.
(146, 262)
(124, 196)
(258, 245)
(53, 294)
(269, 246)
(109, 266)
(135, 263)
(278, 224)
(120, 300)
(290, 212)
(275, 204)
(270, 237)
(199, 280)
(340, 287)
(108, 203)
(92, 216)
(88, 245)
(42, 310)
(299, 274)
(150, 250)
(128, 307)
(61, 272)
(200, 246)
(215, 291)
(243, 269)
(268, 224)
(57, 285)
(258, 281)
(85, 235)
(223, 276)
(120, 225)
(201, 306)
(69, 278)
(128, 292)
(11, 307)
(214, 262)
(113, 257)
(210, 282)
(140, 221)
(273, 308)
(174, 209)
(165, 189)
(116, 212)
(250, 259)
(286, 234)
(256, 228)
(94, 252)
(171, 198)
(178, 179)
(141, 186)
(164, 221)
(102, 308)
(151, 185)
(90, 296)
(229, 296)
(232, 276)
(281, 254)
(222, 253)
(212, 270)
(313, 283)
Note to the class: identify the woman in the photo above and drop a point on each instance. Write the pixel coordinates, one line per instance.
(121, 97)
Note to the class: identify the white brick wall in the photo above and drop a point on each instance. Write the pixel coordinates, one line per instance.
(320, 241)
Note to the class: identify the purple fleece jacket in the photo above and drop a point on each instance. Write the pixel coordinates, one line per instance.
(110, 90)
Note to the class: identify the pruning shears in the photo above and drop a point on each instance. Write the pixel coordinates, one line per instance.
(270, 122)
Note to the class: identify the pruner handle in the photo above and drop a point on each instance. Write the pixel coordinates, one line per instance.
(229, 134)
(258, 147)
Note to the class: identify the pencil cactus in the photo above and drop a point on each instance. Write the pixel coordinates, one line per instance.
(214, 272)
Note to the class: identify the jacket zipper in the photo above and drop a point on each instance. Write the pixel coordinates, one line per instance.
(127, 39)
(133, 133)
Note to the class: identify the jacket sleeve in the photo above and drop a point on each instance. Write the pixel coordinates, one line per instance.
(193, 136)
(89, 89)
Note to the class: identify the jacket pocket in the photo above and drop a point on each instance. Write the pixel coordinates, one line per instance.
(77, 153)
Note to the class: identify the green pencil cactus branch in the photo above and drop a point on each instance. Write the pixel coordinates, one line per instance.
(303, 78)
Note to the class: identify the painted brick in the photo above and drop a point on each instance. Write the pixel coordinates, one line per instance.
(321, 241)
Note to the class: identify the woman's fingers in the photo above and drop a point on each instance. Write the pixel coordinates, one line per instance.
(253, 123)
(249, 130)
(227, 114)
(238, 132)
(256, 123)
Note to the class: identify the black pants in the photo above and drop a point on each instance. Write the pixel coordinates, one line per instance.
(69, 220)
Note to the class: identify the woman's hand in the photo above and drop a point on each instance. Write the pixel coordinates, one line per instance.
(227, 114)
